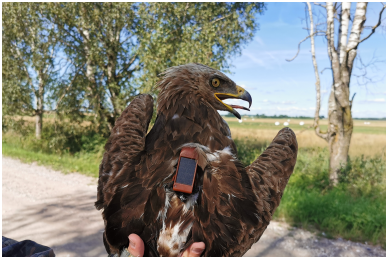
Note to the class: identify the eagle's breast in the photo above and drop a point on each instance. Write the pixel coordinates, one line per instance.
(210, 136)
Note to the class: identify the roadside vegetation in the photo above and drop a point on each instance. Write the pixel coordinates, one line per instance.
(354, 210)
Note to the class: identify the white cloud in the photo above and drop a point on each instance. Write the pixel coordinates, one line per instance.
(259, 40)
(292, 108)
(377, 100)
(256, 60)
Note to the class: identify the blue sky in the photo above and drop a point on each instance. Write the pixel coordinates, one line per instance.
(281, 87)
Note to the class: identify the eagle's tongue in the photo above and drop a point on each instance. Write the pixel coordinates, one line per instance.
(239, 107)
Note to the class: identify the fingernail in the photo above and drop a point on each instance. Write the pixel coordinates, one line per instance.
(197, 250)
(132, 243)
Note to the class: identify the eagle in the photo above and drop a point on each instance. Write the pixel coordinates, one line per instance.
(230, 205)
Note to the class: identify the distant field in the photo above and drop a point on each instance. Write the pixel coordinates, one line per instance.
(367, 140)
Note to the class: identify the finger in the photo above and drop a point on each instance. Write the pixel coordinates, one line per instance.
(195, 250)
(136, 245)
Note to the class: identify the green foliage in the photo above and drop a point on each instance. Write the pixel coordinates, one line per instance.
(355, 209)
(85, 163)
(63, 146)
(79, 58)
(336, 212)
(118, 49)
(248, 151)
(179, 33)
(28, 59)
(60, 137)
(363, 176)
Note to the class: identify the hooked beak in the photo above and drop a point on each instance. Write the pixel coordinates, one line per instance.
(241, 94)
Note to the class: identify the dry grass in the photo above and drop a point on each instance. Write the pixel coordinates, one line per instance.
(357, 123)
(367, 140)
(367, 144)
(47, 118)
(361, 144)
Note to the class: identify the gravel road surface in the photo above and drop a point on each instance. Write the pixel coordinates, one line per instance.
(56, 210)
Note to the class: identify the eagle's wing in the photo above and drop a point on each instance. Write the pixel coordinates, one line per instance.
(123, 149)
(274, 167)
(270, 173)
(237, 203)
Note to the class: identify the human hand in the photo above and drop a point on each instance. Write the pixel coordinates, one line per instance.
(136, 247)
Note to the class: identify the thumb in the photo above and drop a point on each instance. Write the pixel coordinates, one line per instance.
(136, 245)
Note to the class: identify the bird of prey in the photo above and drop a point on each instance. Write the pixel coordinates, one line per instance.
(230, 205)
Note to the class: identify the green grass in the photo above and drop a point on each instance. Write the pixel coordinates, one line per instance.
(354, 210)
(80, 162)
(336, 212)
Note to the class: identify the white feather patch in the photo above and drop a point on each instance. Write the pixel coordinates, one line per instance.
(162, 213)
(170, 236)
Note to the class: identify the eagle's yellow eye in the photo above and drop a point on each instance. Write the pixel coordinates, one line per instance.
(216, 82)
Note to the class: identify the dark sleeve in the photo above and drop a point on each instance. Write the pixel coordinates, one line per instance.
(25, 248)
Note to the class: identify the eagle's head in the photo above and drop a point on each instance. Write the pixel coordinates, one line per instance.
(201, 81)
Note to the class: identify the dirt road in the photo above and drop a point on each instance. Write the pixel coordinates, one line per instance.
(57, 210)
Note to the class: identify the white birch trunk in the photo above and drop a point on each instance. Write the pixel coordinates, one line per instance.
(340, 126)
(355, 34)
(345, 17)
(318, 81)
(39, 107)
(340, 116)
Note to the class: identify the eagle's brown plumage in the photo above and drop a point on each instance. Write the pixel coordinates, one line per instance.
(230, 207)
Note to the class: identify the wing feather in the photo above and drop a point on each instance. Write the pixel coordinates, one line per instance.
(124, 147)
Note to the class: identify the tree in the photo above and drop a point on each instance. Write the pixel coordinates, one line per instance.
(118, 49)
(28, 60)
(342, 46)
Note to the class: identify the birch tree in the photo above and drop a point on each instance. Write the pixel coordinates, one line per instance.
(120, 48)
(342, 46)
(28, 60)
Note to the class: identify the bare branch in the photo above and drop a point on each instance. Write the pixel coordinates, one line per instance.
(48, 63)
(68, 87)
(363, 78)
(318, 81)
(216, 20)
(351, 101)
(321, 5)
(325, 69)
(184, 17)
(298, 49)
(309, 36)
(374, 27)
(126, 67)
(353, 97)
(130, 36)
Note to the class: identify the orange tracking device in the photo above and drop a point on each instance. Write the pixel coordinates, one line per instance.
(186, 170)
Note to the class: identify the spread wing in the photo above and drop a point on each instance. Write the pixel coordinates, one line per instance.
(237, 203)
(123, 150)
(270, 173)
(273, 168)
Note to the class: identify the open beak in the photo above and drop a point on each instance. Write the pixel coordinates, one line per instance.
(241, 94)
